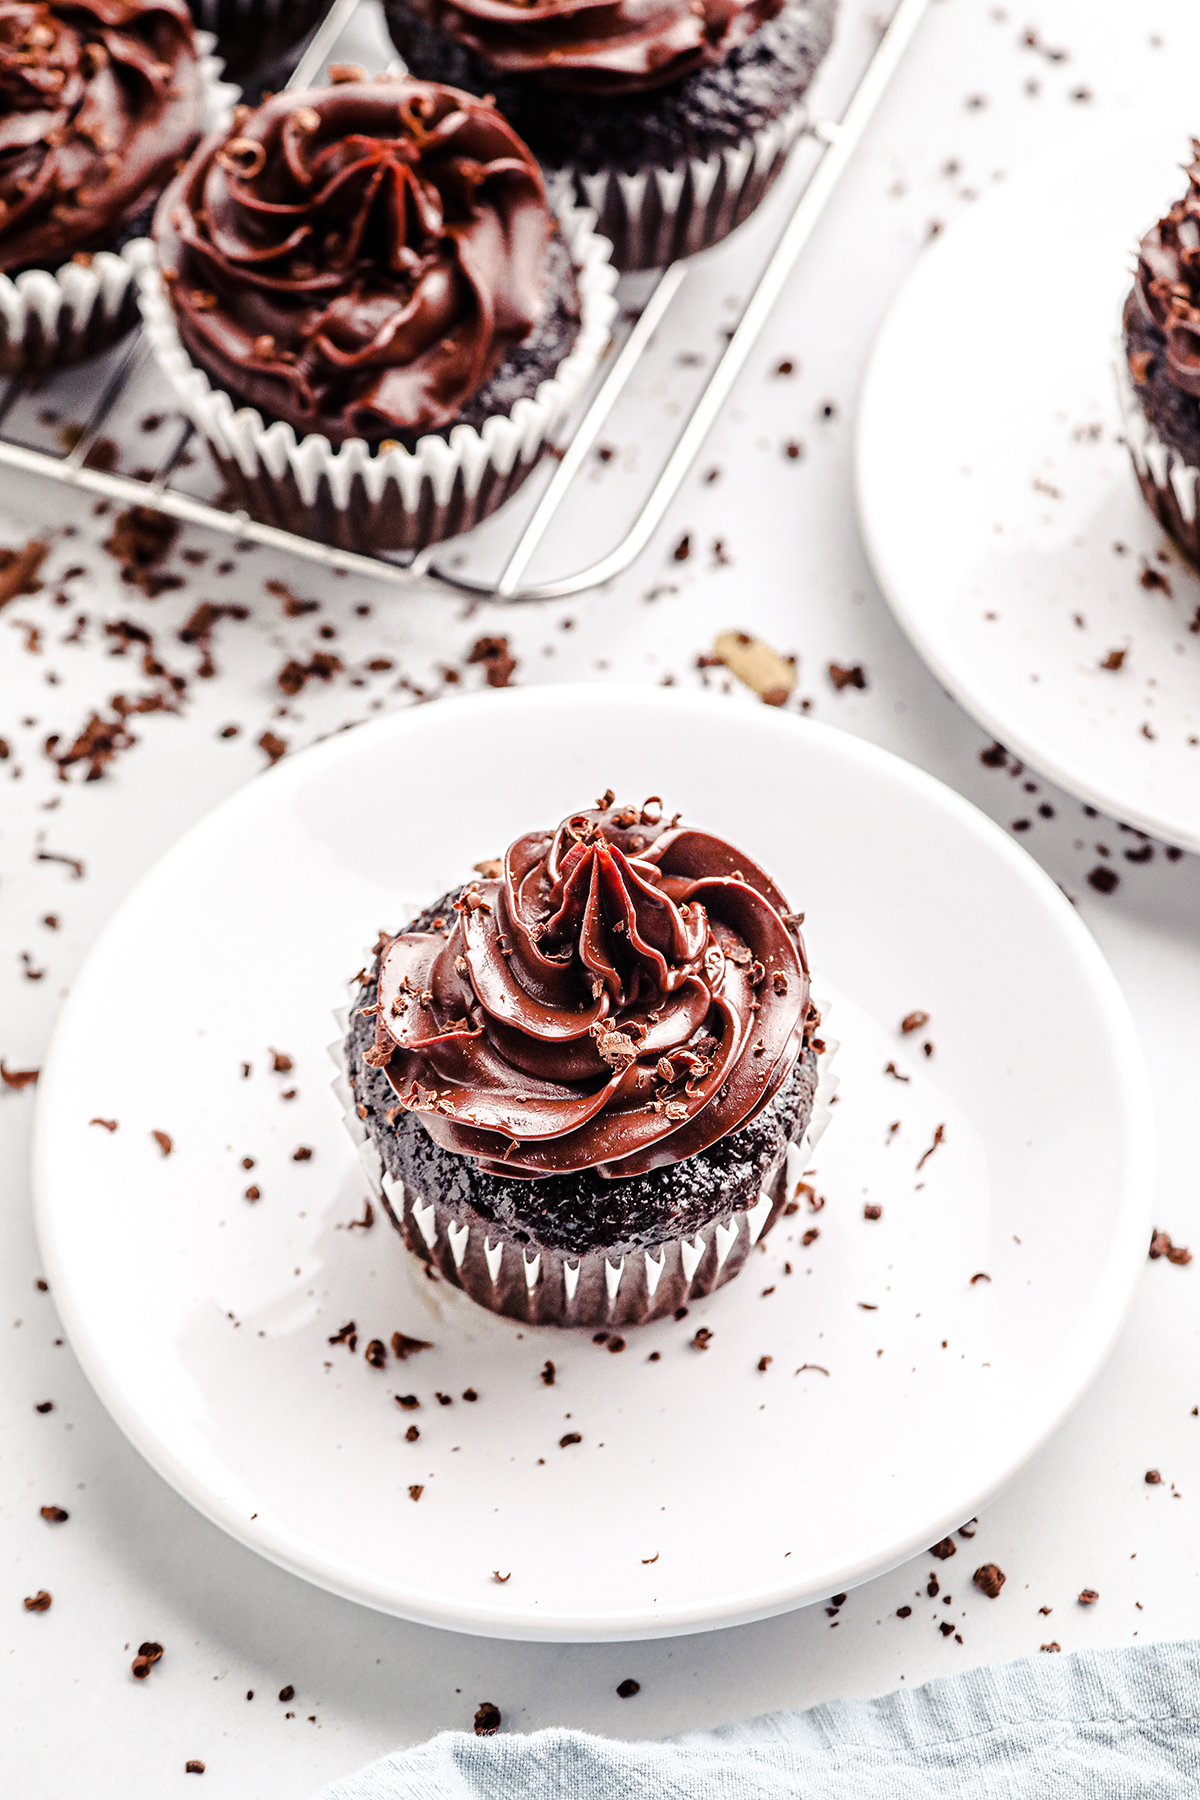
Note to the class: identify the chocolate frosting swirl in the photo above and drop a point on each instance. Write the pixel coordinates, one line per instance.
(621, 994)
(358, 260)
(599, 46)
(99, 99)
(1167, 289)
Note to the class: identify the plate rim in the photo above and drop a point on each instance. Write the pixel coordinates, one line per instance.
(971, 695)
(1093, 1340)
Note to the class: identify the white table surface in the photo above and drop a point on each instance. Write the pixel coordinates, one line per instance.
(134, 1561)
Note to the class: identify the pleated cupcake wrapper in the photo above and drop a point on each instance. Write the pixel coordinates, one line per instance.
(659, 214)
(398, 498)
(49, 318)
(1170, 485)
(552, 1287)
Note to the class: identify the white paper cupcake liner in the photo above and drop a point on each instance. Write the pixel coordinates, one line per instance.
(1169, 484)
(552, 1287)
(397, 499)
(657, 215)
(49, 318)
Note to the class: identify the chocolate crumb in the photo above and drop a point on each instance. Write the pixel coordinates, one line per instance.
(683, 548)
(302, 1153)
(487, 1719)
(872, 1212)
(894, 1072)
(409, 1402)
(1161, 1245)
(411, 1435)
(470, 1394)
(273, 746)
(810, 1236)
(1088, 1597)
(628, 1688)
(1050, 1646)
(376, 1353)
(193, 1766)
(904, 1612)
(844, 677)
(1153, 1478)
(946, 1547)
(164, 1142)
(702, 1339)
(56, 1514)
(39, 1602)
(1103, 879)
(19, 570)
(497, 1576)
(44, 1406)
(252, 1193)
(141, 539)
(548, 1374)
(913, 1021)
(17, 1078)
(570, 1437)
(403, 1347)
(148, 1654)
(416, 1489)
(498, 661)
(989, 1579)
(1114, 660)
(764, 1363)
(616, 1345)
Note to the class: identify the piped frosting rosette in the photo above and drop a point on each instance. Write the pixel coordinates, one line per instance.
(591, 1029)
(99, 99)
(359, 262)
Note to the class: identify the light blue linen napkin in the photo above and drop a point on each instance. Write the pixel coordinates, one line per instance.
(1098, 1725)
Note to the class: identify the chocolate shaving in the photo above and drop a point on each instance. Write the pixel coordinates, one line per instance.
(19, 570)
(17, 1078)
(498, 662)
(403, 1347)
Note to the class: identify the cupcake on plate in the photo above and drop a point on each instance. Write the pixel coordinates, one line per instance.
(100, 100)
(670, 118)
(366, 304)
(1159, 373)
(578, 1078)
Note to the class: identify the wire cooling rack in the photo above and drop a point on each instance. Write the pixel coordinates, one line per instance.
(161, 489)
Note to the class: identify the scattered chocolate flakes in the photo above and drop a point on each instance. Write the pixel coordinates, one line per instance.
(904, 1612)
(1088, 1597)
(1114, 660)
(683, 548)
(292, 608)
(39, 1602)
(164, 1142)
(939, 1137)
(193, 1766)
(894, 1072)
(44, 1406)
(548, 1374)
(96, 745)
(1103, 879)
(498, 661)
(571, 1437)
(287, 1693)
(947, 1547)
(416, 1489)
(497, 1576)
(322, 665)
(407, 1346)
(17, 1078)
(141, 539)
(302, 1153)
(616, 1345)
(702, 1339)
(487, 1719)
(148, 1654)
(199, 627)
(913, 1021)
(57, 1515)
(348, 1334)
(19, 570)
(470, 1394)
(989, 1579)
(1154, 578)
(628, 1688)
(1160, 1242)
(980, 1275)
(872, 1212)
(252, 1193)
(771, 676)
(411, 1435)
(376, 1353)
(852, 677)
(1153, 1478)
(273, 746)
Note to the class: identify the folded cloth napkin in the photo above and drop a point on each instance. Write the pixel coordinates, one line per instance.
(1099, 1725)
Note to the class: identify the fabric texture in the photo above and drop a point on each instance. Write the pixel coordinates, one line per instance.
(1098, 1725)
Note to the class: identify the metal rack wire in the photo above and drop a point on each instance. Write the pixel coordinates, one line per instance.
(837, 138)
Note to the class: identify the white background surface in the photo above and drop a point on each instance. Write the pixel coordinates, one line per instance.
(134, 1561)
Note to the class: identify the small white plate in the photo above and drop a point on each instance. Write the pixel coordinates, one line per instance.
(994, 487)
(704, 1491)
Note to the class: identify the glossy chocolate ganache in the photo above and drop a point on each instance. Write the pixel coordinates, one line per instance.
(623, 993)
(599, 46)
(99, 100)
(358, 260)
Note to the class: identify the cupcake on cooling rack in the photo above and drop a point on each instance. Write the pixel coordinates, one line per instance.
(366, 304)
(578, 1079)
(671, 118)
(100, 100)
(1159, 375)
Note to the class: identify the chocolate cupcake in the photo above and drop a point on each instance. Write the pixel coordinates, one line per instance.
(671, 118)
(373, 267)
(99, 102)
(260, 41)
(1159, 373)
(578, 1079)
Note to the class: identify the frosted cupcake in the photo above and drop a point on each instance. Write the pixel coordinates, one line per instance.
(368, 307)
(1159, 378)
(671, 118)
(582, 1076)
(99, 102)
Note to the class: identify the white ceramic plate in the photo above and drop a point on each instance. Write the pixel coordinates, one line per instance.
(704, 1491)
(993, 485)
